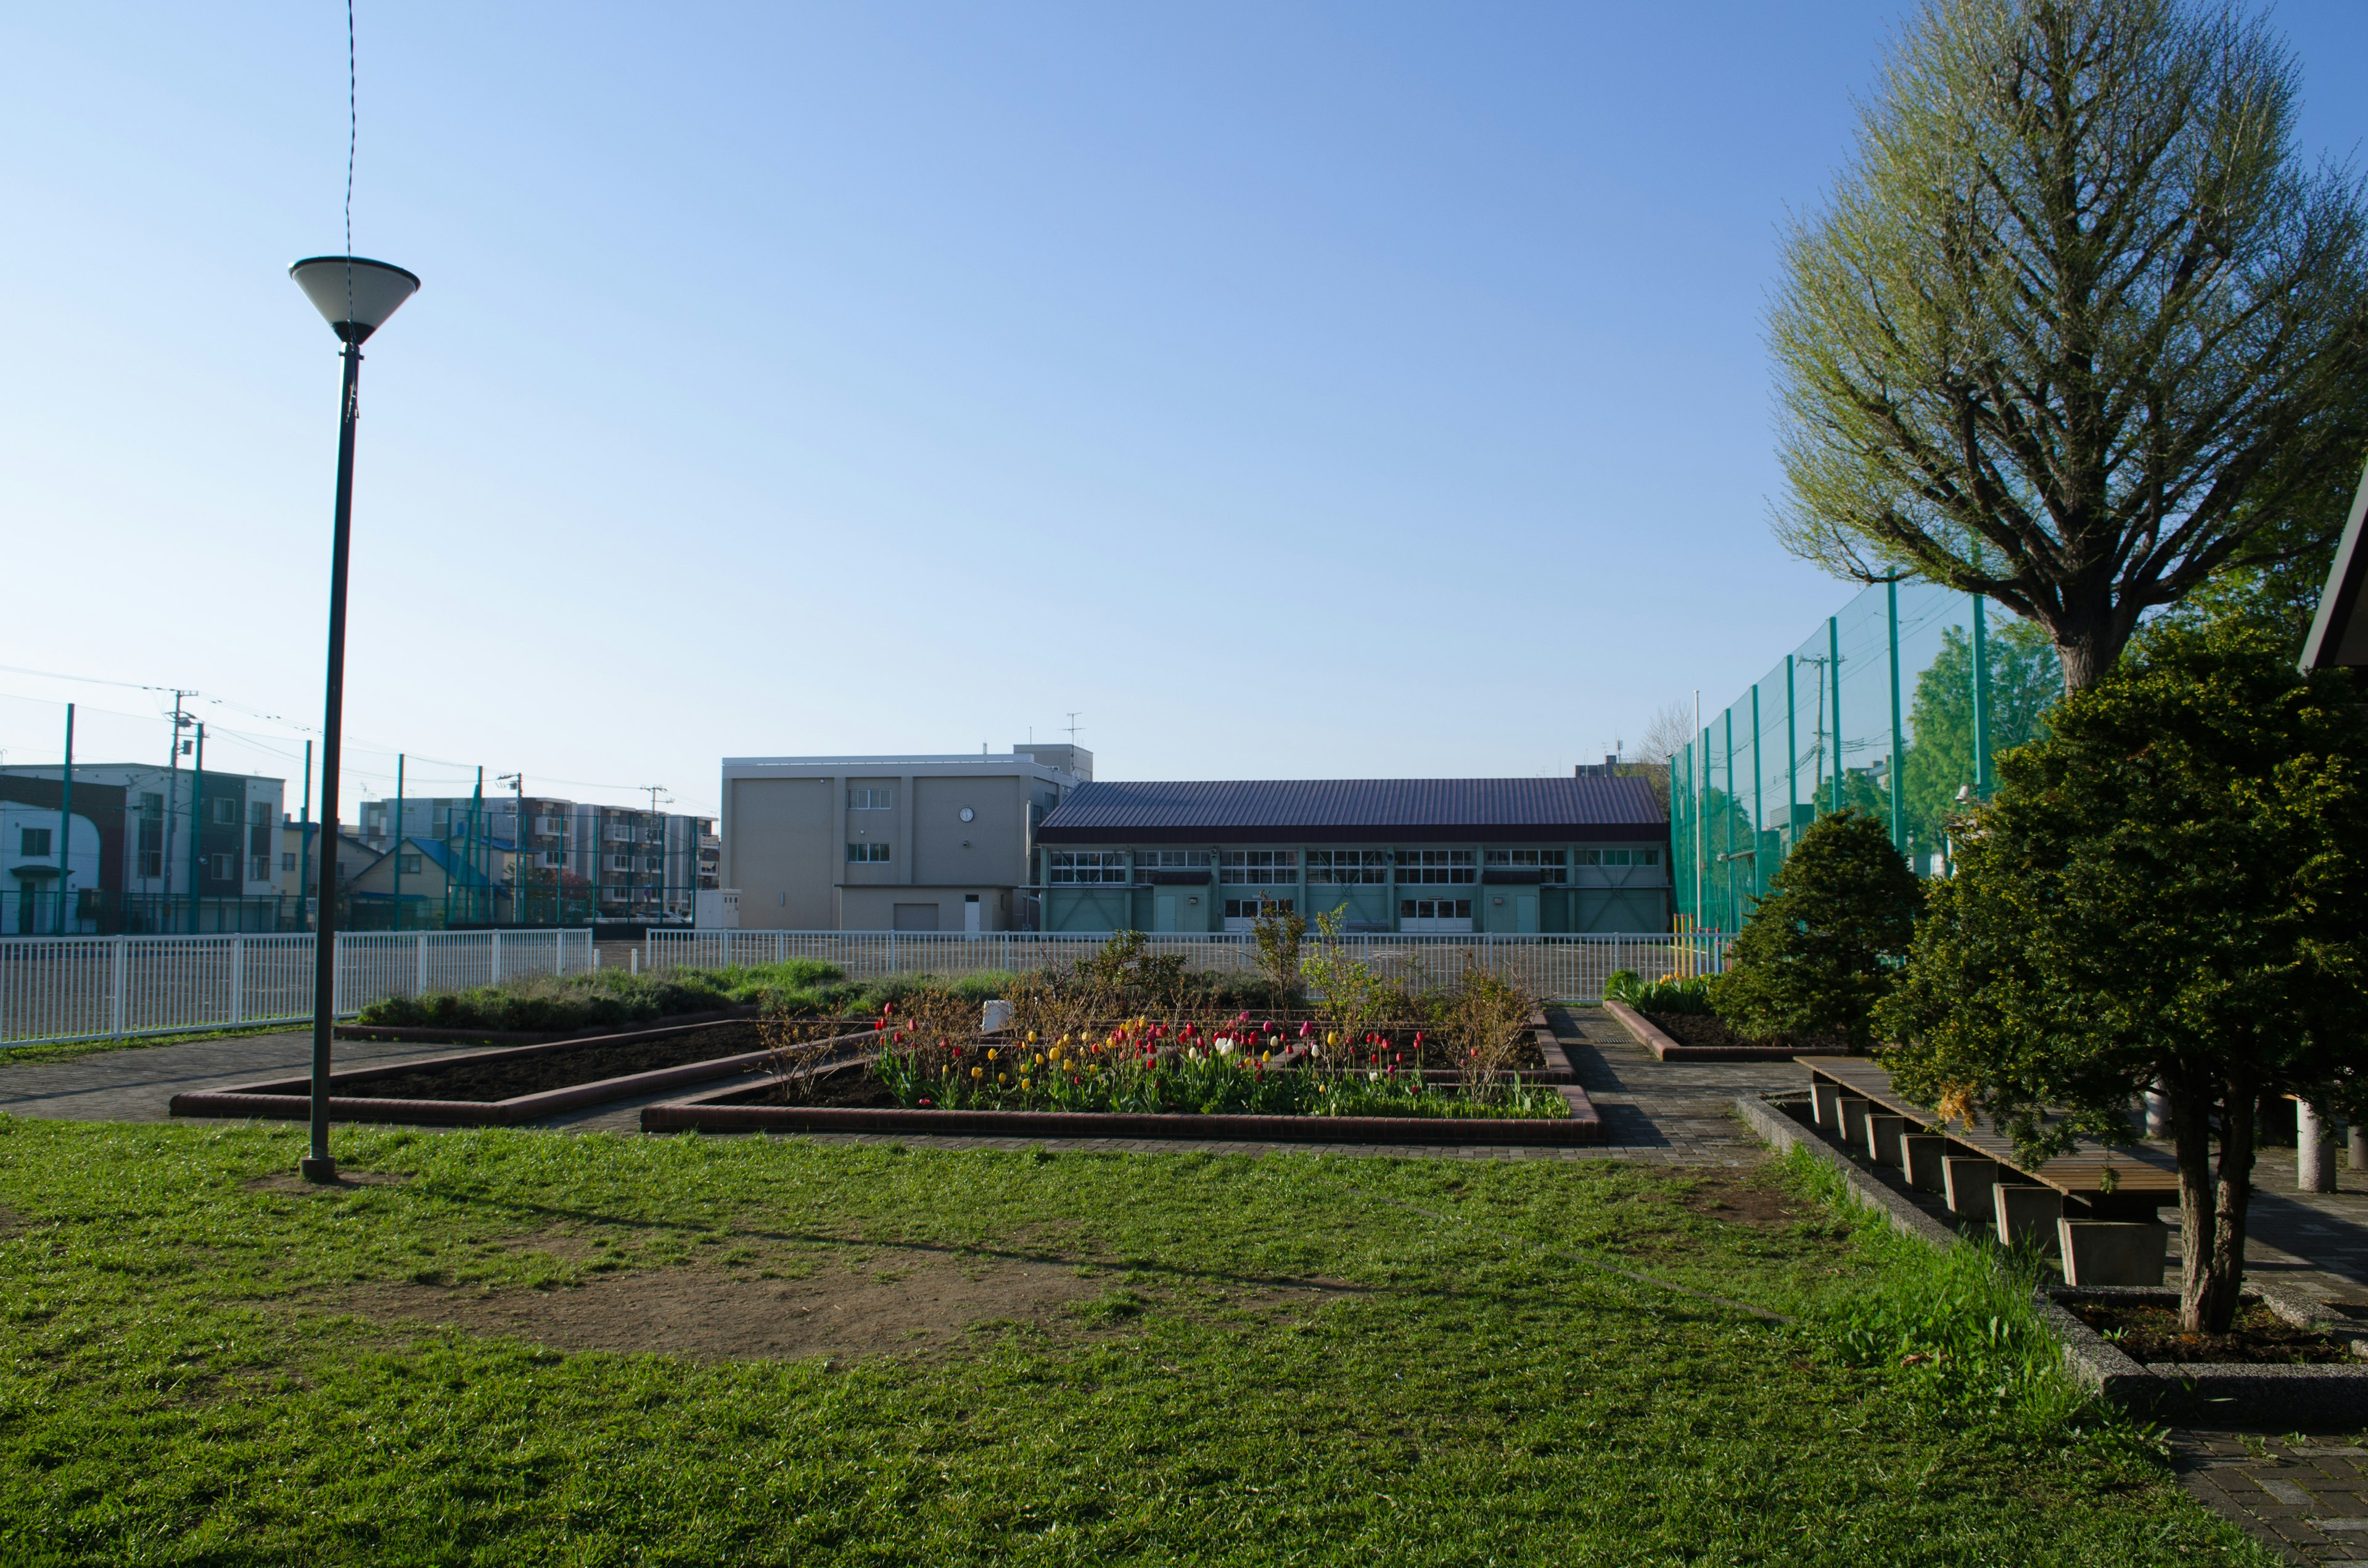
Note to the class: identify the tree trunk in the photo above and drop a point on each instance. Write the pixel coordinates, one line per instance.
(2212, 1209)
(2087, 650)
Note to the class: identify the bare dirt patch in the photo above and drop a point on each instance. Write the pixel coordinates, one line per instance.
(290, 1181)
(886, 1304)
(1762, 1206)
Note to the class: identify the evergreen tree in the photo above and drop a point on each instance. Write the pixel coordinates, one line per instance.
(2171, 886)
(1818, 952)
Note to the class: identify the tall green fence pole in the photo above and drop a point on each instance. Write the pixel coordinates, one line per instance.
(1726, 814)
(305, 841)
(1898, 796)
(1981, 699)
(1791, 759)
(1834, 669)
(1759, 805)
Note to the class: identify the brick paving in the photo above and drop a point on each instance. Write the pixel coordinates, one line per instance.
(134, 1085)
(2305, 1498)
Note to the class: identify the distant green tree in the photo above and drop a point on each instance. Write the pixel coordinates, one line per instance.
(2171, 886)
(1819, 951)
(2025, 681)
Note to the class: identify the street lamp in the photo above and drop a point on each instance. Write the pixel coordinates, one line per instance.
(355, 296)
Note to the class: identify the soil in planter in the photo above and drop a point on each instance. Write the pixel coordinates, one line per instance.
(1709, 1028)
(1398, 1049)
(849, 1088)
(2149, 1332)
(502, 1079)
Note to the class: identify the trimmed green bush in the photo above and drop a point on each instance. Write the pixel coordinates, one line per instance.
(1824, 946)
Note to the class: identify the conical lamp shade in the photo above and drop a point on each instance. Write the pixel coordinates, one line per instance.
(354, 294)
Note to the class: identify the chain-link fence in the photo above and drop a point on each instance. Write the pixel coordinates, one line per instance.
(1896, 706)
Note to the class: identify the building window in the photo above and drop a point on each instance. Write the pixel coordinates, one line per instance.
(873, 797)
(1348, 868)
(33, 841)
(1431, 866)
(1252, 867)
(1088, 866)
(225, 813)
(1171, 860)
(653, 862)
(1434, 916)
(222, 867)
(258, 867)
(551, 860)
(288, 859)
(411, 863)
(867, 854)
(258, 813)
(1549, 862)
(1251, 908)
(1618, 856)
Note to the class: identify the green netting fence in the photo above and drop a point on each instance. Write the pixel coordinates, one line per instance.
(1896, 706)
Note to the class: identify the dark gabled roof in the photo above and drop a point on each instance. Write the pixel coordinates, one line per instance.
(1356, 809)
(2338, 632)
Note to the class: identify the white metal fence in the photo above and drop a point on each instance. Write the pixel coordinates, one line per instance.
(61, 988)
(1560, 969)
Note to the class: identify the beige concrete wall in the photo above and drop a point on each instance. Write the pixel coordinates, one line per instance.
(874, 908)
(781, 850)
(987, 849)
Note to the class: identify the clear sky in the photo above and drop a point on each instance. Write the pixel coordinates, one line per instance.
(1352, 390)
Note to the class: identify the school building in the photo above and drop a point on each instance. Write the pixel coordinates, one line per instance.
(1417, 856)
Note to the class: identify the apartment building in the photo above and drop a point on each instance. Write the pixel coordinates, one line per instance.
(199, 847)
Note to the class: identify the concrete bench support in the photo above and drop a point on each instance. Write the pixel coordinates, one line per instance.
(2114, 1252)
(1826, 1097)
(1884, 1136)
(1854, 1112)
(1923, 1153)
(1967, 1180)
(2027, 1215)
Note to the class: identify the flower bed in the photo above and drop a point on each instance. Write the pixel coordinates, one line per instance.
(1704, 1037)
(524, 1083)
(1137, 1078)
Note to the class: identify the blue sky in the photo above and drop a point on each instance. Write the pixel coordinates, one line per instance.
(1292, 390)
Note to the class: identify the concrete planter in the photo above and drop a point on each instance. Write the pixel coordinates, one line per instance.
(1644, 1033)
(288, 1099)
(1583, 1125)
(529, 1037)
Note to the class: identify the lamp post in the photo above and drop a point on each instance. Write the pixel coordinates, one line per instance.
(355, 296)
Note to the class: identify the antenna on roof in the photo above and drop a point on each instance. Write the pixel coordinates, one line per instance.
(1072, 727)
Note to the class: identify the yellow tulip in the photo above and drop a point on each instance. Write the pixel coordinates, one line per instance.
(978, 1072)
(1031, 1037)
(1001, 1079)
(990, 1053)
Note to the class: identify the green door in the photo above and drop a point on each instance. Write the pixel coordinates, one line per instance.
(1164, 916)
(1526, 915)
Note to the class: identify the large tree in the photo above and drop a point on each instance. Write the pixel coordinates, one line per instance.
(2077, 329)
(2171, 887)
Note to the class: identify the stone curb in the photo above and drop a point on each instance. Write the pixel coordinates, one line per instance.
(1645, 1033)
(2224, 1393)
(1784, 1135)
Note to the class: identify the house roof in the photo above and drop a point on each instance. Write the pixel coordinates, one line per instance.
(1356, 809)
(2338, 632)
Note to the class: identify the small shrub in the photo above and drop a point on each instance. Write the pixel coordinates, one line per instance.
(1824, 946)
(1670, 993)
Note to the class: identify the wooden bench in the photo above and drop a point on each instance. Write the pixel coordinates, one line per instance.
(2094, 1206)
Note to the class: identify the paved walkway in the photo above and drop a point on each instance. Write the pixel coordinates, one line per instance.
(2305, 1500)
(135, 1084)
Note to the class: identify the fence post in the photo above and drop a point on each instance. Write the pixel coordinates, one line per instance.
(420, 946)
(115, 983)
(497, 958)
(337, 973)
(238, 980)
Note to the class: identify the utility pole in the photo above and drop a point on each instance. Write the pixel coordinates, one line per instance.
(398, 843)
(197, 826)
(518, 848)
(172, 802)
(304, 842)
(66, 822)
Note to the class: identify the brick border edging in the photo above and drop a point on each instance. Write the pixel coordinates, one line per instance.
(288, 1099)
(2232, 1392)
(1582, 1126)
(1642, 1030)
(426, 1036)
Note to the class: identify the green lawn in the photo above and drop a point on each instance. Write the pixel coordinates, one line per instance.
(1296, 1360)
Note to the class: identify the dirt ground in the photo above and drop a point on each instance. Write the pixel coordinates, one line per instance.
(1744, 1200)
